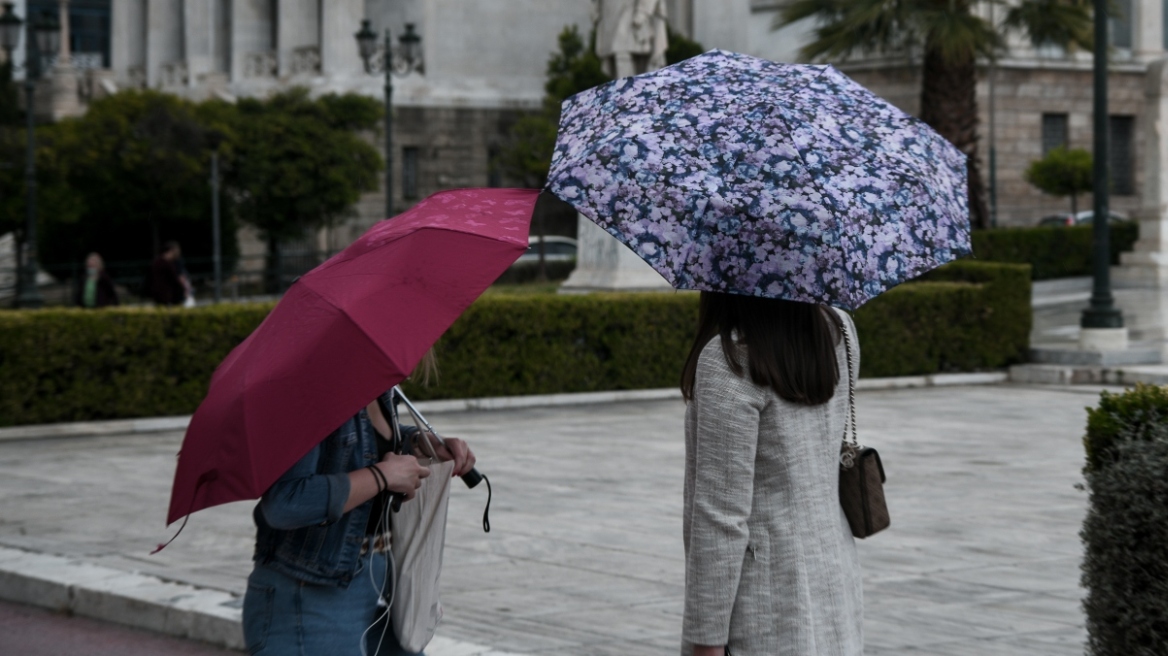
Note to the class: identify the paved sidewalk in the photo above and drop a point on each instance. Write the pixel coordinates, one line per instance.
(585, 553)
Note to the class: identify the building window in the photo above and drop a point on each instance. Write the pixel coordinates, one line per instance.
(1121, 24)
(1121, 155)
(409, 172)
(89, 30)
(494, 172)
(1054, 132)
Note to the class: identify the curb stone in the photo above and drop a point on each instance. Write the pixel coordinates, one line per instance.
(146, 602)
(1056, 374)
(168, 424)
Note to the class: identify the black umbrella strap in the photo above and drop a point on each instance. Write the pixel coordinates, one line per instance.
(206, 477)
(487, 510)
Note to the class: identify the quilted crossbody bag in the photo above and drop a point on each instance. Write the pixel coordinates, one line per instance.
(861, 484)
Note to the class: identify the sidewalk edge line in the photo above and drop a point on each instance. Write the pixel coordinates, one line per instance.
(167, 424)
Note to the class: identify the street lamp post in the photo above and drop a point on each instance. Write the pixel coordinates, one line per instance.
(406, 60)
(1102, 313)
(42, 36)
(215, 139)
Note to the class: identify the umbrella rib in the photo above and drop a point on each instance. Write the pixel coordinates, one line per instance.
(823, 192)
(345, 314)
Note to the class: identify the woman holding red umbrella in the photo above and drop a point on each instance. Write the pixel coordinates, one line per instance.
(323, 576)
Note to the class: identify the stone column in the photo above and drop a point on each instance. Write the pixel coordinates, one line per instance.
(1148, 24)
(198, 18)
(253, 47)
(66, 100)
(340, 20)
(298, 36)
(1147, 265)
(165, 66)
(128, 42)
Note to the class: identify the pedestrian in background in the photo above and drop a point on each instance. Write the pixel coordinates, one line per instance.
(166, 281)
(96, 289)
(771, 564)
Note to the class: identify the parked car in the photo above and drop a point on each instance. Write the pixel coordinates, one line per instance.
(1082, 218)
(555, 248)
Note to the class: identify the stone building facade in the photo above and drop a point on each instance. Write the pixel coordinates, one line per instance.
(1038, 106)
(485, 60)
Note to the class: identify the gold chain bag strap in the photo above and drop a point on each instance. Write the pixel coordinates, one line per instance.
(861, 484)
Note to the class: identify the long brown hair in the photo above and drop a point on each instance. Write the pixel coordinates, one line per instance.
(790, 346)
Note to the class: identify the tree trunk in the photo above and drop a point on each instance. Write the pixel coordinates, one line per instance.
(949, 106)
(1074, 204)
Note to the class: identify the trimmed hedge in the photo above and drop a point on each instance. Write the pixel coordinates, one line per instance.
(1125, 532)
(1130, 415)
(1058, 252)
(75, 365)
(965, 316)
(69, 365)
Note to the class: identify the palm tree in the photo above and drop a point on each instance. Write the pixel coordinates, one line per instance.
(947, 37)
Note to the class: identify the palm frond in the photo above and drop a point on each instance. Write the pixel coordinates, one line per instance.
(847, 27)
(1064, 23)
(956, 32)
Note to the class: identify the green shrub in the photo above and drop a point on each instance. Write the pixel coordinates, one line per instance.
(72, 365)
(1059, 252)
(1125, 533)
(536, 344)
(69, 365)
(1133, 414)
(965, 316)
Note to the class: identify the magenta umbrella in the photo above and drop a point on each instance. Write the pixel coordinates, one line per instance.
(344, 333)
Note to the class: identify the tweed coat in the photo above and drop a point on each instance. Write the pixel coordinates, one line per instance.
(771, 565)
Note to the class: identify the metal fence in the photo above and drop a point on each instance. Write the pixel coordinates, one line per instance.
(245, 278)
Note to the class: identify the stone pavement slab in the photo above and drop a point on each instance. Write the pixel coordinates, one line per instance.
(585, 552)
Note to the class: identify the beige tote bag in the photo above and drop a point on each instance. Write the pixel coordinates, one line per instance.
(419, 535)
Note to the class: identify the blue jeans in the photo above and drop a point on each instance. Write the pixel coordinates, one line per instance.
(283, 616)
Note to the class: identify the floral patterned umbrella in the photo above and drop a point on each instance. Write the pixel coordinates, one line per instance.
(731, 173)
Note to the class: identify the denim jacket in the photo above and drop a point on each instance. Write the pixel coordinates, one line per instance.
(301, 527)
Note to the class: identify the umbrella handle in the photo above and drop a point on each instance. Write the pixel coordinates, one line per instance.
(472, 478)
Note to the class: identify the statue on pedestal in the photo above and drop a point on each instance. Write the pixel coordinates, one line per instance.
(631, 35)
(631, 38)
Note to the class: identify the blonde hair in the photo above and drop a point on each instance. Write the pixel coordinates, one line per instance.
(427, 370)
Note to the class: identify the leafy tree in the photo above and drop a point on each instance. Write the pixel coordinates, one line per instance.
(56, 201)
(10, 112)
(299, 164)
(1062, 173)
(134, 170)
(572, 69)
(681, 47)
(950, 35)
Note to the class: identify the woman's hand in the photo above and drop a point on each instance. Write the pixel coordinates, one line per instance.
(700, 650)
(456, 450)
(403, 473)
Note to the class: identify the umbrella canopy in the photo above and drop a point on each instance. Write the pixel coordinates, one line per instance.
(344, 333)
(731, 173)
